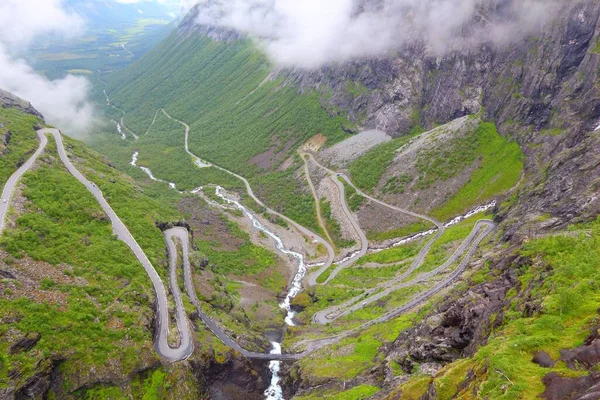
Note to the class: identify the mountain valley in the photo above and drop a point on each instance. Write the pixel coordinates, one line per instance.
(410, 225)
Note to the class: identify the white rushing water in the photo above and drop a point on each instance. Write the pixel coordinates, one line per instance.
(119, 129)
(475, 211)
(452, 222)
(127, 50)
(347, 258)
(148, 172)
(597, 128)
(274, 392)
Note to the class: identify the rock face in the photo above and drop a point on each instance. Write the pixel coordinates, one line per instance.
(542, 91)
(26, 343)
(582, 388)
(8, 99)
(457, 327)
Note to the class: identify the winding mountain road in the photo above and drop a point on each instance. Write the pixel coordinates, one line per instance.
(9, 187)
(471, 242)
(300, 228)
(424, 251)
(482, 229)
(364, 243)
(186, 346)
(181, 235)
(316, 198)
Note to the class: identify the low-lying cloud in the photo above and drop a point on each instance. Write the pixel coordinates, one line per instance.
(311, 33)
(63, 102)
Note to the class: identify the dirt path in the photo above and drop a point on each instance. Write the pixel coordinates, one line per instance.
(317, 200)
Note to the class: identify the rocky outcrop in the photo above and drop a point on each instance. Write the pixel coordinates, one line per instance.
(543, 359)
(457, 327)
(8, 99)
(541, 91)
(26, 343)
(577, 388)
(582, 388)
(586, 356)
(189, 26)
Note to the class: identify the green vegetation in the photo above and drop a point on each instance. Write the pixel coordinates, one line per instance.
(92, 303)
(164, 153)
(333, 226)
(147, 385)
(353, 356)
(63, 224)
(136, 209)
(235, 115)
(401, 232)
(595, 49)
(325, 275)
(562, 275)
(445, 246)
(246, 259)
(356, 393)
(498, 161)
(552, 132)
(499, 168)
(396, 185)
(367, 170)
(22, 143)
(354, 200)
(395, 254)
(383, 305)
(415, 388)
(356, 89)
(281, 191)
(361, 277)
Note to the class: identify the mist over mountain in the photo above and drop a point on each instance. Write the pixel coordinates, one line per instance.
(63, 101)
(300, 200)
(312, 33)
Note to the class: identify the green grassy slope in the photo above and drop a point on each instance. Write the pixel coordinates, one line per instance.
(220, 89)
(560, 275)
(23, 140)
(63, 225)
(498, 165)
(500, 168)
(66, 278)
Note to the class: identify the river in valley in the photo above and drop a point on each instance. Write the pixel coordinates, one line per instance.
(274, 392)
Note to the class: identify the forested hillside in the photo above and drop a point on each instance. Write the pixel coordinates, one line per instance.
(77, 311)
(240, 117)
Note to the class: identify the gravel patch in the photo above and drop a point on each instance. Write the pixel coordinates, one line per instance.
(342, 154)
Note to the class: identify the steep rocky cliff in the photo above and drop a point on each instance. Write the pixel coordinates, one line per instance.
(9, 100)
(542, 90)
